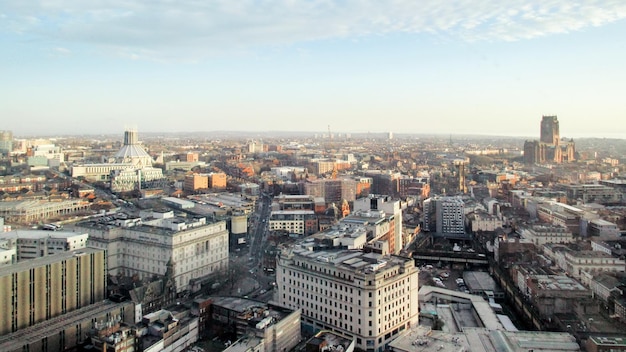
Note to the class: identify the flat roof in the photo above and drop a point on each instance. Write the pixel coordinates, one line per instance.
(35, 234)
(49, 259)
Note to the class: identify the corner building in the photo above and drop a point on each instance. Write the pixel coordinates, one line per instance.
(365, 296)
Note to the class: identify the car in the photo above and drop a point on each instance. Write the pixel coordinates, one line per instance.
(444, 275)
(263, 291)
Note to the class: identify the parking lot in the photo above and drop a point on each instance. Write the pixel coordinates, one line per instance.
(444, 277)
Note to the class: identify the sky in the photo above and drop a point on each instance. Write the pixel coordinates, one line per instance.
(487, 67)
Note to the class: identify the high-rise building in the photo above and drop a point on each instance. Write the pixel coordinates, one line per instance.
(444, 215)
(6, 142)
(367, 296)
(40, 289)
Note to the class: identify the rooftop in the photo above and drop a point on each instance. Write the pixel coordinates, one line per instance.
(37, 262)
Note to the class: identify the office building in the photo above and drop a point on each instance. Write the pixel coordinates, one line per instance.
(367, 296)
(387, 208)
(31, 244)
(190, 248)
(43, 288)
(6, 142)
(444, 215)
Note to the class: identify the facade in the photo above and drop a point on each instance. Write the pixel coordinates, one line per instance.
(483, 222)
(191, 249)
(301, 222)
(217, 180)
(332, 190)
(47, 287)
(354, 294)
(591, 193)
(577, 262)
(31, 244)
(195, 182)
(30, 211)
(599, 227)
(444, 215)
(542, 234)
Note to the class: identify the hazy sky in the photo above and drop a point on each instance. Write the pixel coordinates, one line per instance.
(451, 67)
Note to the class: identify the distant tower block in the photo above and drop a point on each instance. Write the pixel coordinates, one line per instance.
(389, 135)
(549, 130)
(460, 166)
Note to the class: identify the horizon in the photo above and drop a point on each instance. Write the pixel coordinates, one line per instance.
(416, 67)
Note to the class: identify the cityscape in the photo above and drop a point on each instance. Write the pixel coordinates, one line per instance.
(312, 176)
(316, 241)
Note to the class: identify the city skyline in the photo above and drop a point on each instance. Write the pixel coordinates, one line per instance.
(417, 67)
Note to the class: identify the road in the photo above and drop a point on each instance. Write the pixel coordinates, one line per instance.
(255, 255)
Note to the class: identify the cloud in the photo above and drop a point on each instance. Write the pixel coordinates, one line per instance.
(168, 29)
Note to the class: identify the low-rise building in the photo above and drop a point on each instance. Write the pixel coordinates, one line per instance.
(277, 327)
(542, 234)
(575, 262)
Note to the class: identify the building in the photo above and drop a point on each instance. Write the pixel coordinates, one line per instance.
(277, 327)
(591, 193)
(40, 289)
(603, 228)
(542, 234)
(167, 331)
(576, 262)
(130, 169)
(191, 248)
(601, 343)
(6, 142)
(332, 190)
(68, 331)
(483, 222)
(367, 296)
(33, 211)
(376, 204)
(300, 222)
(444, 215)
(31, 244)
(549, 148)
(217, 180)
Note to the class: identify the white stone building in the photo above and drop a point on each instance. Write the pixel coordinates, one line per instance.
(145, 247)
(542, 234)
(575, 263)
(366, 296)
